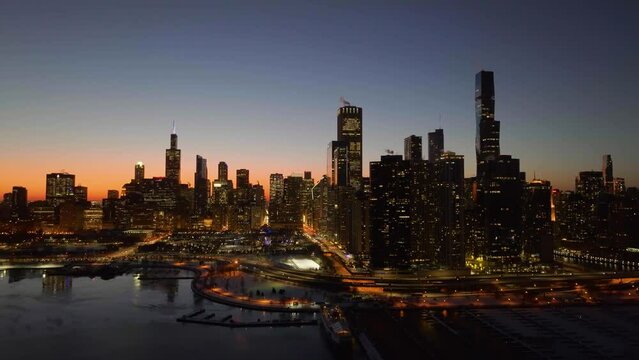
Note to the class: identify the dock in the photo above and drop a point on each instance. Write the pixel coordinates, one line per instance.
(227, 321)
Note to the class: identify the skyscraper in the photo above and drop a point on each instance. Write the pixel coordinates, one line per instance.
(450, 210)
(172, 167)
(293, 192)
(337, 163)
(349, 130)
(537, 234)
(202, 186)
(60, 188)
(435, 144)
(501, 201)
(390, 212)
(413, 148)
(81, 194)
(609, 181)
(242, 179)
(19, 203)
(139, 171)
(590, 184)
(222, 171)
(487, 137)
(276, 198)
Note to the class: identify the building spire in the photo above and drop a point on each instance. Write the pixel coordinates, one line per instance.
(174, 132)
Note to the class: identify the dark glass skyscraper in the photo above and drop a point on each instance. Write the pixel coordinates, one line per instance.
(435, 144)
(349, 130)
(413, 148)
(337, 163)
(537, 234)
(390, 212)
(19, 203)
(607, 173)
(487, 137)
(172, 166)
(502, 201)
(202, 186)
(242, 179)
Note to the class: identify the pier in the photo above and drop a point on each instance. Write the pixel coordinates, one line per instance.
(227, 321)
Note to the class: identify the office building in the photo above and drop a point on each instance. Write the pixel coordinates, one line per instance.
(337, 163)
(202, 189)
(222, 171)
(390, 212)
(413, 148)
(19, 203)
(487, 135)
(139, 171)
(242, 179)
(173, 159)
(349, 131)
(435, 144)
(537, 227)
(59, 188)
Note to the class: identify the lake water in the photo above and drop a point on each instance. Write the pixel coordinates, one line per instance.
(125, 318)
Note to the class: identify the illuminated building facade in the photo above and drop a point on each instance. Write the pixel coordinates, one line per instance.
(173, 160)
(450, 236)
(349, 131)
(59, 188)
(337, 163)
(276, 199)
(139, 171)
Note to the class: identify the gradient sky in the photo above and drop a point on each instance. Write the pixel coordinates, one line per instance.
(92, 87)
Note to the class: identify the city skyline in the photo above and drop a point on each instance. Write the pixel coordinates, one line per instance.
(69, 102)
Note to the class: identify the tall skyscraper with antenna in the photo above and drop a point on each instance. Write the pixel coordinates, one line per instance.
(173, 155)
(487, 137)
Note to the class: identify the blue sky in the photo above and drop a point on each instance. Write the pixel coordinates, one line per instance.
(92, 87)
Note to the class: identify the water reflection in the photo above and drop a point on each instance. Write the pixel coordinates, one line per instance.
(15, 275)
(56, 285)
(165, 281)
(127, 318)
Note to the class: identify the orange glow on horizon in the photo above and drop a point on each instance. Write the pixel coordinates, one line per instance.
(111, 173)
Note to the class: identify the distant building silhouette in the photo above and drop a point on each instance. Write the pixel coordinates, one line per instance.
(435, 144)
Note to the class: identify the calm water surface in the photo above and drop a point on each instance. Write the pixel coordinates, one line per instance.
(125, 318)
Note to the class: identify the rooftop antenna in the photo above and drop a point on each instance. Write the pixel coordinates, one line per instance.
(440, 120)
(174, 129)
